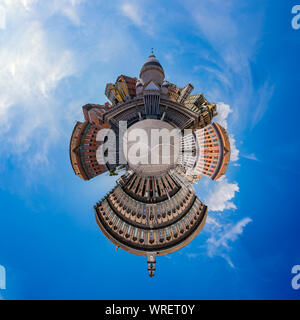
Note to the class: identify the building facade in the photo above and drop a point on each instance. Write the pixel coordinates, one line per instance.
(145, 228)
(205, 152)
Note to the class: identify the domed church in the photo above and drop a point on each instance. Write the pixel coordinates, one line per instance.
(153, 209)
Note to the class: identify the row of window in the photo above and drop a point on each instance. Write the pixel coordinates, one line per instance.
(151, 187)
(150, 237)
(142, 213)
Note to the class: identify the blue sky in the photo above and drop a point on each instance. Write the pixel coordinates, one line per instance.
(58, 55)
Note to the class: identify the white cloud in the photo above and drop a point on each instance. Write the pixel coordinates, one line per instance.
(68, 8)
(30, 71)
(28, 3)
(2, 18)
(213, 221)
(234, 154)
(231, 233)
(250, 156)
(2, 278)
(32, 65)
(132, 11)
(235, 44)
(264, 95)
(192, 255)
(221, 194)
(141, 14)
(221, 236)
(219, 23)
(220, 240)
(224, 111)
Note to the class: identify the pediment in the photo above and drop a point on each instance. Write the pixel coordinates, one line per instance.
(152, 86)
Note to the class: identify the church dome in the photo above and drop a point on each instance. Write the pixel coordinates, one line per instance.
(139, 84)
(152, 70)
(166, 84)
